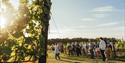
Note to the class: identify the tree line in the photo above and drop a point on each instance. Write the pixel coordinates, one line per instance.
(69, 40)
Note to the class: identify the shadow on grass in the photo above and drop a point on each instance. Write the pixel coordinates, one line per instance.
(73, 58)
(121, 58)
(69, 61)
(83, 59)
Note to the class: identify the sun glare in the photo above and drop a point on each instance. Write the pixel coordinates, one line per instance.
(2, 22)
(3, 15)
(15, 3)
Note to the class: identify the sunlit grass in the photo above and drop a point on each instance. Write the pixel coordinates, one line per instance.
(74, 59)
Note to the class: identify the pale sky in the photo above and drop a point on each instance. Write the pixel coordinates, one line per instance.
(87, 19)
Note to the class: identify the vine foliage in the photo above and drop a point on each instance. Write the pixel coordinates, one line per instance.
(25, 36)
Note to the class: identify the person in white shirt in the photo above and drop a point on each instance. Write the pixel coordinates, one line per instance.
(57, 52)
(102, 46)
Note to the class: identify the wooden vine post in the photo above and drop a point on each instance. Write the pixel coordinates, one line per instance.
(45, 17)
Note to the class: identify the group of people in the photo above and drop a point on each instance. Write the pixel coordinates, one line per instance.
(107, 49)
(103, 49)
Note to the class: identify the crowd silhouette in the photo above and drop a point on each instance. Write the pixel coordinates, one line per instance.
(102, 49)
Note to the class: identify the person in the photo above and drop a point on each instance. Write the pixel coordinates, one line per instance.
(87, 49)
(97, 50)
(84, 49)
(61, 48)
(78, 51)
(92, 50)
(113, 50)
(57, 52)
(52, 47)
(69, 47)
(108, 52)
(102, 46)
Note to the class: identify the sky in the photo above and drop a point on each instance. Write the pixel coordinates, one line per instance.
(87, 19)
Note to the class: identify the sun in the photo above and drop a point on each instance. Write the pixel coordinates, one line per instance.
(2, 22)
(4, 13)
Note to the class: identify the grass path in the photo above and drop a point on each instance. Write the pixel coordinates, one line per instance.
(69, 59)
